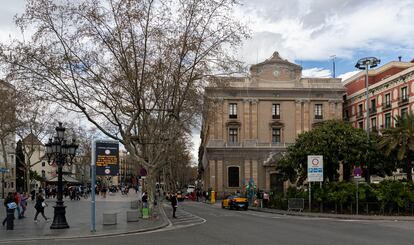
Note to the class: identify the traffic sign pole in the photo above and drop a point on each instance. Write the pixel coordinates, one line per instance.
(93, 177)
(2, 185)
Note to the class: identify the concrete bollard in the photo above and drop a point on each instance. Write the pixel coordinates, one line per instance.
(132, 215)
(134, 204)
(109, 218)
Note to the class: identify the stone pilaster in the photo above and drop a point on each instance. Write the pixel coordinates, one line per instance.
(254, 119)
(298, 117)
(247, 172)
(246, 126)
(212, 164)
(255, 172)
(306, 115)
(220, 175)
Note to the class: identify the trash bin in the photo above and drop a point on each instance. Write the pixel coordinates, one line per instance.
(145, 213)
(213, 197)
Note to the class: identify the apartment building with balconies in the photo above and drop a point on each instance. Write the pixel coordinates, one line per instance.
(390, 94)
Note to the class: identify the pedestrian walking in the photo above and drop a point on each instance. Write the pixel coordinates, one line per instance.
(40, 207)
(144, 200)
(17, 201)
(174, 203)
(265, 199)
(23, 204)
(33, 194)
(10, 205)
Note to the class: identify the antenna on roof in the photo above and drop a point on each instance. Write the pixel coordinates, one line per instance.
(333, 65)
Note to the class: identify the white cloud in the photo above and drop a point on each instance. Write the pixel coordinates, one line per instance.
(348, 75)
(316, 72)
(317, 29)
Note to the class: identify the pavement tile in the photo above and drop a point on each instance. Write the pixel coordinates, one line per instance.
(78, 216)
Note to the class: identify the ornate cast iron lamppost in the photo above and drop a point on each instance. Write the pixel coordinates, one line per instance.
(58, 151)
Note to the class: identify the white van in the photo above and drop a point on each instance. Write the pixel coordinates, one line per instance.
(190, 189)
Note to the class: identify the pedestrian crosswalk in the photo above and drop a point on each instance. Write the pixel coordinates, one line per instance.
(184, 218)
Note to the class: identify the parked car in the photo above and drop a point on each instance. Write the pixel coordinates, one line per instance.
(180, 196)
(235, 201)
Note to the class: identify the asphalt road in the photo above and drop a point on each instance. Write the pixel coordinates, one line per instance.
(200, 224)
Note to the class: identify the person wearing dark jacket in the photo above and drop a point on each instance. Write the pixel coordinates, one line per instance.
(174, 203)
(40, 207)
(9, 199)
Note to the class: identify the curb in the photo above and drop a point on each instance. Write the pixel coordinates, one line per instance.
(165, 223)
(335, 216)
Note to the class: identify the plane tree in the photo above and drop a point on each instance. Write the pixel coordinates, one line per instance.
(134, 69)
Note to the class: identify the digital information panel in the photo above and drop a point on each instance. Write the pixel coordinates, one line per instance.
(107, 157)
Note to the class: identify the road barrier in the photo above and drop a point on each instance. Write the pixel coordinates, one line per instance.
(296, 204)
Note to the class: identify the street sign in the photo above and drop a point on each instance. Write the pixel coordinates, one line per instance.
(107, 157)
(4, 170)
(357, 172)
(315, 168)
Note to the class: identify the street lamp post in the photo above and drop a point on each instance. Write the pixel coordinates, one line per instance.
(58, 151)
(365, 64)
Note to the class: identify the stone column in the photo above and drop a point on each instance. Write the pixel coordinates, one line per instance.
(267, 179)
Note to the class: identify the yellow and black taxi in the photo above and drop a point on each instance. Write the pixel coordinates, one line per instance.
(235, 201)
(180, 196)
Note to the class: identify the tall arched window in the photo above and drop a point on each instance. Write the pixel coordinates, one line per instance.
(233, 176)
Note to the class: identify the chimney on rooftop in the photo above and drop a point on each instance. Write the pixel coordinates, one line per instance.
(399, 58)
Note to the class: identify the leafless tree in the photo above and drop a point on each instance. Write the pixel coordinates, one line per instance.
(135, 69)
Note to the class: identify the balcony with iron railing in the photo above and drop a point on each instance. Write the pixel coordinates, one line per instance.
(218, 143)
(386, 105)
(318, 117)
(276, 117)
(403, 100)
(372, 111)
(360, 114)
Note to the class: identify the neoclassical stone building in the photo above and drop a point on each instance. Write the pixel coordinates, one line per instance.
(253, 119)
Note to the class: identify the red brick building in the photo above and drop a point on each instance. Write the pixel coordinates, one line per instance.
(391, 93)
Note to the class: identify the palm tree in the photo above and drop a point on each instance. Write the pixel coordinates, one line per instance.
(399, 142)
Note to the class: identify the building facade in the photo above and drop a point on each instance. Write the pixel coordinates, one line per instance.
(251, 120)
(35, 149)
(390, 92)
(7, 138)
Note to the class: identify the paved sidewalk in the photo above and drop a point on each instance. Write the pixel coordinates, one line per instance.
(327, 215)
(78, 216)
(334, 216)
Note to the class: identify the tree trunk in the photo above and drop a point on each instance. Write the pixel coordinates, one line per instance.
(27, 178)
(3, 148)
(408, 170)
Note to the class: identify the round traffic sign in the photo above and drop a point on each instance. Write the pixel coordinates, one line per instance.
(107, 171)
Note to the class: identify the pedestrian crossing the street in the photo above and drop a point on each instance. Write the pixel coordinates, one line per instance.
(184, 218)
